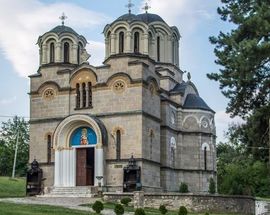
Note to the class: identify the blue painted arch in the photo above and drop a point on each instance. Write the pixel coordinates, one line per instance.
(83, 136)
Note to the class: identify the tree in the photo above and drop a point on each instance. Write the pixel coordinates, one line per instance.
(8, 135)
(244, 55)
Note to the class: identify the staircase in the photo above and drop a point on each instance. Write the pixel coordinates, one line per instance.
(81, 191)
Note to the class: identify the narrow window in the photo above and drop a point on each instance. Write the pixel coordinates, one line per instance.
(89, 94)
(205, 158)
(78, 54)
(158, 49)
(84, 95)
(121, 42)
(66, 52)
(78, 96)
(52, 53)
(136, 42)
(173, 52)
(49, 149)
(118, 145)
(151, 143)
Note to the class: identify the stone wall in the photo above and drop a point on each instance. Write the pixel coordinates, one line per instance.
(244, 205)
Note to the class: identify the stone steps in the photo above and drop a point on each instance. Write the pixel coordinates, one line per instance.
(81, 191)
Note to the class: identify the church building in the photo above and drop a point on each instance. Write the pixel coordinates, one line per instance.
(90, 124)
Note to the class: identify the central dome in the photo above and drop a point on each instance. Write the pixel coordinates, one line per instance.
(144, 17)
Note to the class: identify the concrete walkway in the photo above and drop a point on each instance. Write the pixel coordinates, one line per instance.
(66, 202)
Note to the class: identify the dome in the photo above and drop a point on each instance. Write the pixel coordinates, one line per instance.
(63, 29)
(196, 102)
(150, 17)
(144, 17)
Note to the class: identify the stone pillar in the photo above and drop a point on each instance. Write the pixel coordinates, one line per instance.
(99, 165)
(107, 47)
(44, 54)
(170, 50)
(81, 96)
(128, 46)
(87, 94)
(113, 38)
(73, 54)
(58, 52)
(145, 44)
(138, 199)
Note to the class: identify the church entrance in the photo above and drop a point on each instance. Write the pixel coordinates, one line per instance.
(85, 166)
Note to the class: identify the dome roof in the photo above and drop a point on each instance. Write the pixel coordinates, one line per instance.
(194, 101)
(63, 29)
(144, 17)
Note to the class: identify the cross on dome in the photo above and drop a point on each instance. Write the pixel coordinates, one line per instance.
(146, 7)
(63, 18)
(129, 6)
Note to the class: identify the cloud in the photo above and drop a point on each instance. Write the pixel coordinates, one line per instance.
(7, 101)
(223, 120)
(185, 14)
(21, 22)
(97, 51)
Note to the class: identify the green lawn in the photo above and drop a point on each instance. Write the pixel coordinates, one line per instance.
(12, 187)
(20, 209)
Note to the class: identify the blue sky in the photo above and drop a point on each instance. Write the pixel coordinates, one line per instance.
(21, 22)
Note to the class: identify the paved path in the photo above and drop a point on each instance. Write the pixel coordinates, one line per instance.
(71, 203)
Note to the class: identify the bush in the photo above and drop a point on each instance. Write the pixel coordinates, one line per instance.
(182, 211)
(163, 209)
(183, 188)
(119, 209)
(212, 186)
(206, 213)
(139, 211)
(125, 201)
(98, 207)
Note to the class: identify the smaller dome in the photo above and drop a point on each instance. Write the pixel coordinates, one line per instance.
(129, 17)
(63, 29)
(180, 88)
(150, 17)
(196, 102)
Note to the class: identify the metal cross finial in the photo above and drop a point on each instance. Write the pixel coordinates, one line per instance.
(63, 18)
(189, 76)
(129, 6)
(146, 7)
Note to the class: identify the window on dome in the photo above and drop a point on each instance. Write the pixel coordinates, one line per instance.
(136, 42)
(66, 52)
(52, 53)
(121, 42)
(158, 49)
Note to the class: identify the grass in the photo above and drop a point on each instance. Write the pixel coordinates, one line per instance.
(20, 209)
(149, 211)
(12, 187)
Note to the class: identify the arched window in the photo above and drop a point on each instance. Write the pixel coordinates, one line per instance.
(66, 52)
(52, 53)
(83, 95)
(78, 54)
(49, 149)
(89, 94)
(118, 144)
(121, 42)
(173, 51)
(158, 49)
(205, 158)
(151, 143)
(136, 42)
(78, 96)
(172, 150)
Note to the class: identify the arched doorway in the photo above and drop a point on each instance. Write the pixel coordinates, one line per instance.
(78, 148)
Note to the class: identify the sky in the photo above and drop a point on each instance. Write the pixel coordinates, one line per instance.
(22, 22)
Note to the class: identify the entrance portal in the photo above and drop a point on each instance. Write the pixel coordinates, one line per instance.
(85, 166)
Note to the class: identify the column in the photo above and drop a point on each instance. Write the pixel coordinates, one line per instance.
(58, 52)
(81, 96)
(107, 48)
(87, 94)
(145, 44)
(113, 50)
(99, 165)
(73, 54)
(44, 54)
(128, 47)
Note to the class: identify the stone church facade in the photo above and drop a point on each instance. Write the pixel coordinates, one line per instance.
(86, 122)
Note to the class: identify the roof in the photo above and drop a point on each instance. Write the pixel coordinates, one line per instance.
(63, 29)
(194, 101)
(179, 88)
(145, 17)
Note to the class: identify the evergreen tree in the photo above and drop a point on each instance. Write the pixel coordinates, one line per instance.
(8, 136)
(244, 55)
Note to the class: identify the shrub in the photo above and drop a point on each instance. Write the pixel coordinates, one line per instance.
(139, 211)
(206, 213)
(182, 211)
(125, 201)
(163, 209)
(183, 188)
(119, 209)
(98, 207)
(212, 186)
